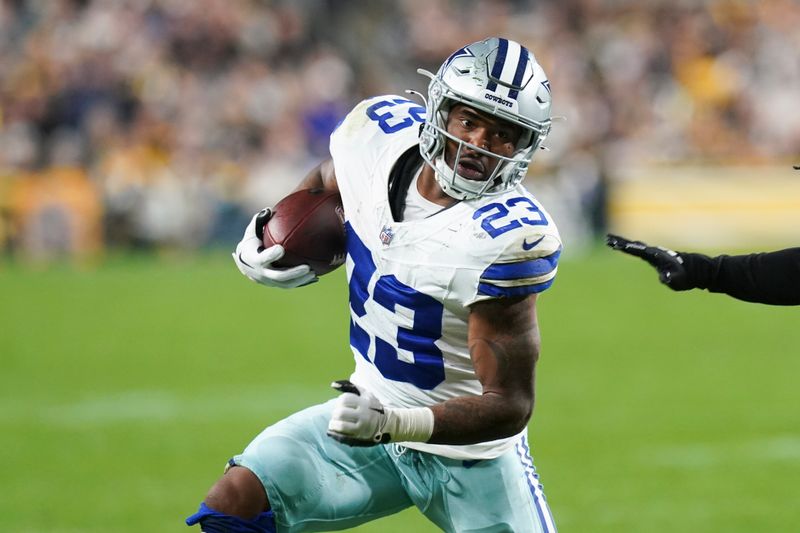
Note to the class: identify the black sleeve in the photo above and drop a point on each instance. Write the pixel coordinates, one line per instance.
(769, 278)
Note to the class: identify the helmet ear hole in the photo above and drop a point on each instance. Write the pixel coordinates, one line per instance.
(444, 111)
(525, 140)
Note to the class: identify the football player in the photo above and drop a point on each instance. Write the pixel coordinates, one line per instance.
(768, 278)
(447, 254)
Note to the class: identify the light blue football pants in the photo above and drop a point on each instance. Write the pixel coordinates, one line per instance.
(315, 483)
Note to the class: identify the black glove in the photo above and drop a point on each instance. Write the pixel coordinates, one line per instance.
(670, 264)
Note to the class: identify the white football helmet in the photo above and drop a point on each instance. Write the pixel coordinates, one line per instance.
(497, 76)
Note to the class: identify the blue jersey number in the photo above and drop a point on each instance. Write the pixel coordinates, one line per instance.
(395, 115)
(496, 220)
(427, 370)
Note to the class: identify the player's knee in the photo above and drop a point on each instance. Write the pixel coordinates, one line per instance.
(212, 521)
(293, 466)
(239, 493)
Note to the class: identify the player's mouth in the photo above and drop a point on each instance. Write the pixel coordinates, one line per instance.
(471, 168)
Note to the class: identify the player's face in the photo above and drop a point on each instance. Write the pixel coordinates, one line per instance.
(484, 131)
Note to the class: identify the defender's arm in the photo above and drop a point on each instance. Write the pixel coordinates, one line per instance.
(769, 278)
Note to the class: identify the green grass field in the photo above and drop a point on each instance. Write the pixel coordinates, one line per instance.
(124, 388)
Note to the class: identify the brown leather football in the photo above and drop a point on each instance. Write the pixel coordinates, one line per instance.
(309, 224)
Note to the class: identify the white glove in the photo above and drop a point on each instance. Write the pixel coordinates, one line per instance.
(358, 417)
(255, 261)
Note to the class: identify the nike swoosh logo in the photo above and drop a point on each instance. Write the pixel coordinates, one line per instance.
(381, 411)
(527, 246)
(245, 262)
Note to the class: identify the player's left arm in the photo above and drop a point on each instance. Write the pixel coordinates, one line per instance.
(504, 346)
(503, 341)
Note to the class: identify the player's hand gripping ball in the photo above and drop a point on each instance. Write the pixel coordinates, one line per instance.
(309, 224)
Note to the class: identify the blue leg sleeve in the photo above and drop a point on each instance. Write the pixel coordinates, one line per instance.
(213, 522)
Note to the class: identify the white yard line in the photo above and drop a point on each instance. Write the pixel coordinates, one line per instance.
(163, 405)
(777, 448)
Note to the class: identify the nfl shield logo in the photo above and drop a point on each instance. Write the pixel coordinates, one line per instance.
(386, 235)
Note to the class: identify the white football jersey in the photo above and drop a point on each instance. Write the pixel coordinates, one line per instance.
(411, 282)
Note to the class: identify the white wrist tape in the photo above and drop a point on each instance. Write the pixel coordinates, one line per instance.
(409, 425)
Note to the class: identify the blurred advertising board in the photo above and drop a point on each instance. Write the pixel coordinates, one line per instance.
(727, 208)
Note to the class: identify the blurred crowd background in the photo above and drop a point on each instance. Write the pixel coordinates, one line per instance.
(163, 124)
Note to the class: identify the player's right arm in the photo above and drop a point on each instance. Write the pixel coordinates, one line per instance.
(255, 262)
(323, 176)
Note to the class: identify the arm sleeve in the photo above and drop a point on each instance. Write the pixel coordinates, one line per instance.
(769, 278)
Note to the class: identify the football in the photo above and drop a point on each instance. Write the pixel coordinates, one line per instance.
(309, 224)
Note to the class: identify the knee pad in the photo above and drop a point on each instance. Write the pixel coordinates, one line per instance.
(213, 522)
(294, 468)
